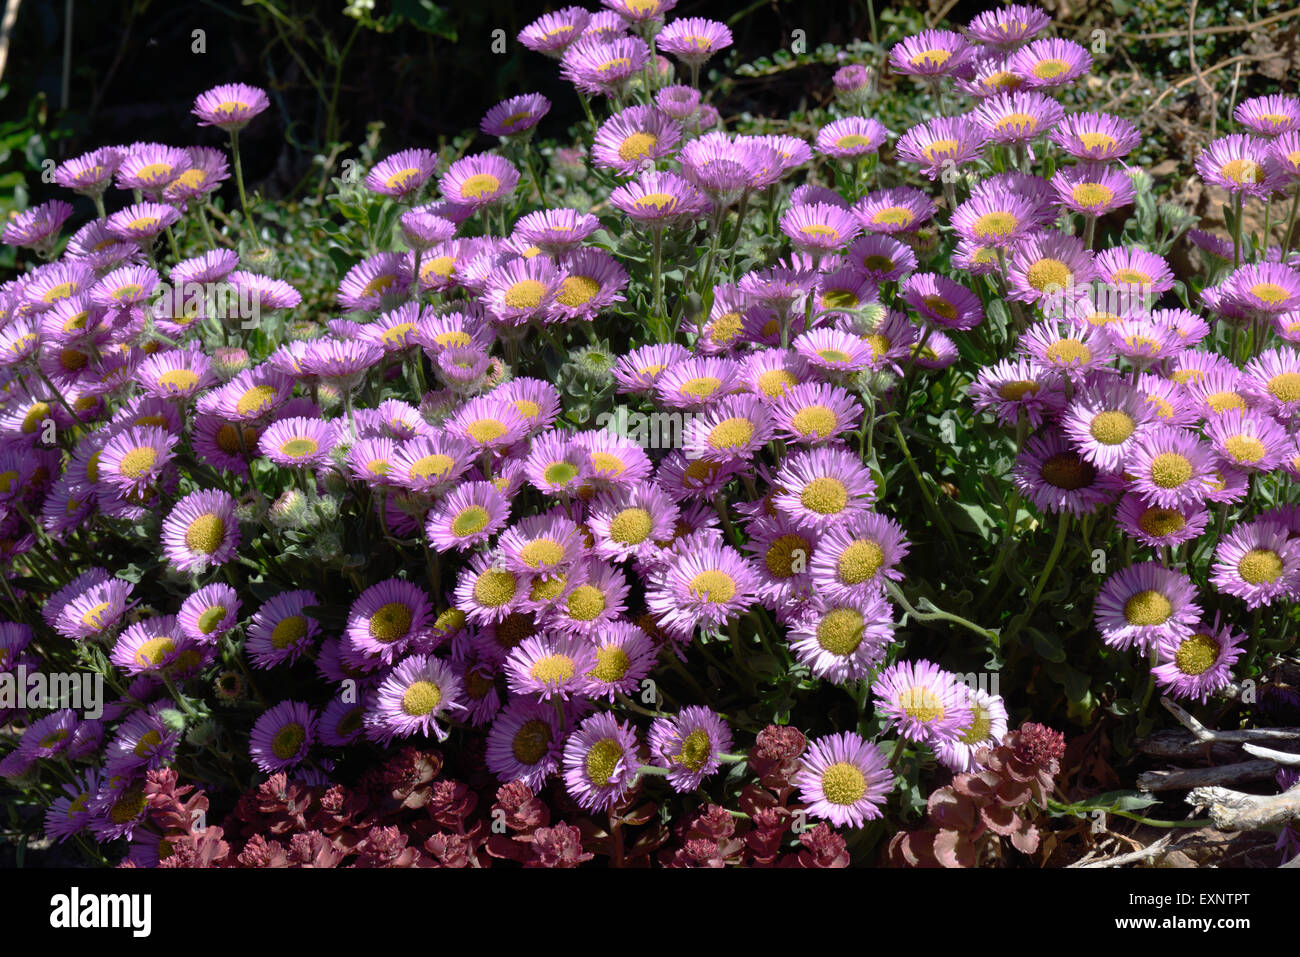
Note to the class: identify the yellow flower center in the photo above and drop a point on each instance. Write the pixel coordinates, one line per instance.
(1016, 122)
(1161, 522)
(1148, 608)
(1260, 566)
(577, 291)
(1049, 274)
(701, 387)
(637, 146)
(931, 58)
(1240, 171)
(713, 586)
(1050, 69)
(732, 433)
(255, 400)
(1268, 292)
(542, 552)
(1197, 654)
(859, 562)
(1092, 195)
(205, 534)
(138, 461)
(843, 783)
(210, 618)
(780, 554)
(776, 382)
(586, 603)
(470, 521)
(602, 761)
(300, 447)
(154, 651)
(495, 587)
(390, 622)
(1285, 387)
(288, 741)
(421, 698)
(1112, 427)
(824, 495)
(1093, 141)
(288, 631)
(630, 526)
(1067, 352)
(612, 664)
(1170, 470)
(486, 430)
(893, 216)
(840, 631)
(1245, 448)
(531, 741)
(479, 185)
(525, 294)
(1015, 391)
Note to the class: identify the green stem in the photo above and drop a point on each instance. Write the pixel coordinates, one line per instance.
(239, 181)
(936, 516)
(1062, 527)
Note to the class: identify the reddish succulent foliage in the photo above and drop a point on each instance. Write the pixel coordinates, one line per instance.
(969, 817)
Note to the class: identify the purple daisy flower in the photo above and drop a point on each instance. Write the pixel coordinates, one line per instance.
(1272, 382)
(819, 227)
(1106, 421)
(693, 40)
(487, 591)
(201, 531)
(624, 656)
(178, 374)
(1248, 440)
(515, 116)
(37, 227)
(1046, 267)
(468, 515)
(151, 167)
(1156, 525)
(812, 413)
(1007, 27)
(1145, 603)
(1196, 666)
(1013, 386)
(945, 142)
(709, 586)
(1258, 563)
(524, 743)
(230, 106)
(282, 736)
(823, 486)
(591, 280)
(600, 67)
(659, 199)
(1269, 115)
(553, 32)
(1050, 63)
(850, 137)
(734, 429)
(135, 458)
(280, 632)
(844, 639)
(387, 618)
(1054, 476)
(1170, 467)
(142, 742)
(942, 301)
(1093, 189)
(987, 729)
(412, 697)
(1017, 116)
(1238, 163)
(209, 613)
(902, 209)
(689, 745)
(882, 257)
(600, 763)
(925, 703)
(90, 173)
(298, 442)
(479, 180)
(402, 174)
(1095, 136)
(549, 666)
(152, 644)
(844, 779)
(854, 561)
(930, 53)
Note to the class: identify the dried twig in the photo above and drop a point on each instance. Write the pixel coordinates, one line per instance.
(1203, 733)
(1181, 779)
(1288, 758)
(1235, 811)
(1155, 849)
(1208, 31)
